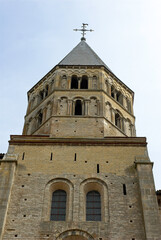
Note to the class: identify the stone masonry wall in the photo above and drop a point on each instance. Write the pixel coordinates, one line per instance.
(29, 209)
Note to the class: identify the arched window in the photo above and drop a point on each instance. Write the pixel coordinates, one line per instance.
(128, 105)
(46, 90)
(93, 206)
(39, 119)
(74, 82)
(41, 94)
(84, 83)
(58, 206)
(78, 107)
(112, 91)
(118, 120)
(119, 97)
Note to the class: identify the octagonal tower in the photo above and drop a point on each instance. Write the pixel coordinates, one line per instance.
(80, 97)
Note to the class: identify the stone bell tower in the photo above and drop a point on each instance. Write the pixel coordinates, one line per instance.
(80, 97)
(78, 171)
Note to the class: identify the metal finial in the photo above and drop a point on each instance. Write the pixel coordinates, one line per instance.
(83, 30)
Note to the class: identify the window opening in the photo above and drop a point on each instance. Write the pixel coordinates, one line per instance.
(112, 92)
(23, 156)
(58, 206)
(93, 206)
(119, 97)
(78, 107)
(118, 120)
(74, 82)
(84, 83)
(46, 91)
(75, 157)
(41, 95)
(124, 189)
(51, 157)
(98, 168)
(40, 119)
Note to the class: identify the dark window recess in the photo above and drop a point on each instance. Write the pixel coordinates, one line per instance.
(74, 82)
(51, 157)
(84, 83)
(112, 92)
(40, 116)
(78, 107)
(98, 168)
(58, 206)
(75, 157)
(93, 206)
(124, 189)
(23, 156)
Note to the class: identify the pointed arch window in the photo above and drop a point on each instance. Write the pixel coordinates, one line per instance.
(93, 206)
(84, 82)
(58, 206)
(74, 82)
(78, 107)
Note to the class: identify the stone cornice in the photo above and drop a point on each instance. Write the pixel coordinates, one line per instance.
(107, 141)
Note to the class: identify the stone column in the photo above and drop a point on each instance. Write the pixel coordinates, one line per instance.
(69, 107)
(68, 82)
(123, 124)
(36, 102)
(89, 82)
(86, 112)
(148, 198)
(7, 172)
(44, 114)
(127, 128)
(108, 111)
(133, 131)
(52, 85)
(109, 88)
(58, 108)
(113, 116)
(57, 79)
(124, 102)
(48, 111)
(79, 82)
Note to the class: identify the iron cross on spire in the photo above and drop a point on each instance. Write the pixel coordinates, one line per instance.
(83, 30)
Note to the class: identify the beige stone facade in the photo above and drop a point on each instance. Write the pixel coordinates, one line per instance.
(78, 138)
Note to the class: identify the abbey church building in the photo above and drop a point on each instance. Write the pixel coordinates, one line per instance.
(78, 171)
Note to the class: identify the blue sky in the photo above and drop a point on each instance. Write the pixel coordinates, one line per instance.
(37, 34)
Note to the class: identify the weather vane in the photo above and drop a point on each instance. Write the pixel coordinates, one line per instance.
(83, 30)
